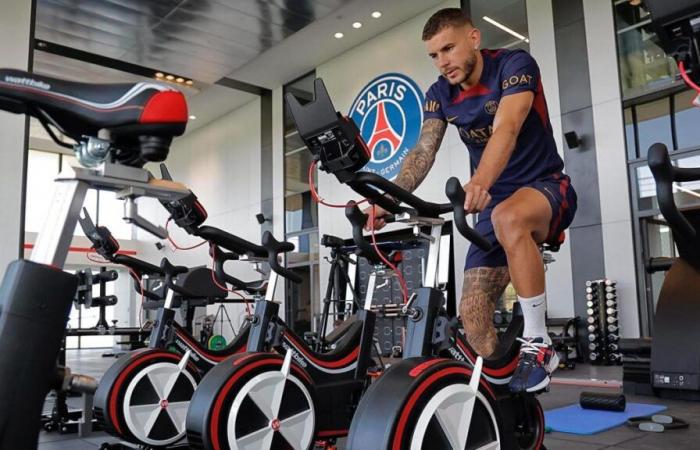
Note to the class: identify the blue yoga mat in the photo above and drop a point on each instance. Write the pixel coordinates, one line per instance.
(576, 420)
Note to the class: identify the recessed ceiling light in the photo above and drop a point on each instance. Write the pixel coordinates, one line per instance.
(189, 82)
(338, 35)
(180, 80)
(169, 77)
(376, 14)
(159, 75)
(357, 25)
(193, 117)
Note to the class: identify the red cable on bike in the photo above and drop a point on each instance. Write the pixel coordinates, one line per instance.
(686, 78)
(314, 193)
(402, 282)
(177, 247)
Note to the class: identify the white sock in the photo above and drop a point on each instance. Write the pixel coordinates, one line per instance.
(533, 316)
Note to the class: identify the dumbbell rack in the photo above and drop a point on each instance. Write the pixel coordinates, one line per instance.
(602, 322)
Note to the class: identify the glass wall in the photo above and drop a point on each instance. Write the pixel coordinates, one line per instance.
(644, 67)
(493, 17)
(301, 220)
(657, 108)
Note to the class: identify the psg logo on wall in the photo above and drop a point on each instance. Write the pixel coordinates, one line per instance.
(389, 113)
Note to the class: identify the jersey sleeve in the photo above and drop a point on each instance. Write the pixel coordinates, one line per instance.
(519, 74)
(432, 109)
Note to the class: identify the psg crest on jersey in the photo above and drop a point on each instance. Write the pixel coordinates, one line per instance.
(389, 113)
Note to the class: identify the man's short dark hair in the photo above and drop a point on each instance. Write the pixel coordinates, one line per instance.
(447, 17)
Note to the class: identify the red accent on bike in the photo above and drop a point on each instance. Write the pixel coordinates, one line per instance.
(349, 358)
(406, 412)
(422, 366)
(332, 433)
(165, 107)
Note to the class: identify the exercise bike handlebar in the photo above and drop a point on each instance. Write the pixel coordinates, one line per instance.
(220, 258)
(139, 266)
(171, 272)
(230, 242)
(274, 248)
(366, 183)
(455, 192)
(358, 219)
(665, 174)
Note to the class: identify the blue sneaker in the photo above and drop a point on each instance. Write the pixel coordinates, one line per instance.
(537, 361)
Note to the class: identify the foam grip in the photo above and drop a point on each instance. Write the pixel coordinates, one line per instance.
(602, 401)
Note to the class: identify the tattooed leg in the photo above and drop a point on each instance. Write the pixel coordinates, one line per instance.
(482, 288)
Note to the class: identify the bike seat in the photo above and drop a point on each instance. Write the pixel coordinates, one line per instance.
(82, 109)
(347, 343)
(199, 282)
(341, 330)
(554, 243)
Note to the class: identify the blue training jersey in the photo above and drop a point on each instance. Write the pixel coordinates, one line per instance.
(472, 111)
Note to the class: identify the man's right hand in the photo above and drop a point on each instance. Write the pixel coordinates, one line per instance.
(379, 214)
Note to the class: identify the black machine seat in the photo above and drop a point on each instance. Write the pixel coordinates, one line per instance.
(198, 281)
(341, 330)
(554, 243)
(346, 341)
(82, 109)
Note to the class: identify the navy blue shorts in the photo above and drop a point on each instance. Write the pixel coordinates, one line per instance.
(562, 198)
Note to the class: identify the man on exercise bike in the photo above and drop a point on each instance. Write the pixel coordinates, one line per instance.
(495, 99)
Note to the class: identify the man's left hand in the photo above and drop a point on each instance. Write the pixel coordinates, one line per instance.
(477, 197)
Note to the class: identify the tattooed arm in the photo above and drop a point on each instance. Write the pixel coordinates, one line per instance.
(417, 164)
(419, 160)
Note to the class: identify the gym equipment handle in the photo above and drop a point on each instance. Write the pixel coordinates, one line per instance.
(367, 183)
(456, 194)
(665, 174)
(358, 219)
(171, 272)
(142, 267)
(274, 248)
(230, 242)
(220, 257)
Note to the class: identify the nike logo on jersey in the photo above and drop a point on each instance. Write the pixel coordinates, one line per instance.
(451, 119)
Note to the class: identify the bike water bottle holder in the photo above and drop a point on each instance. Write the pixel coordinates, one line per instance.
(333, 139)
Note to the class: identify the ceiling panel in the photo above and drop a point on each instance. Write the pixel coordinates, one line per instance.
(202, 39)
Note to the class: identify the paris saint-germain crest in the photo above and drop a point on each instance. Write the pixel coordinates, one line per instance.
(389, 113)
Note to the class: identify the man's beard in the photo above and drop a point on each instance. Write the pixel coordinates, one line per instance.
(468, 69)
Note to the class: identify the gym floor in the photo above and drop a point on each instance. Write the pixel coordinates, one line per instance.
(91, 362)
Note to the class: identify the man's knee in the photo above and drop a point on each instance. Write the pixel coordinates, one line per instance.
(510, 225)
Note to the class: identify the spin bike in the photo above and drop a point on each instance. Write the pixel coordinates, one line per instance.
(143, 397)
(115, 130)
(440, 395)
(261, 400)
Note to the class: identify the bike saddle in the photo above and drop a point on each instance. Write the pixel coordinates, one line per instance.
(146, 114)
(341, 330)
(554, 243)
(198, 282)
(345, 345)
